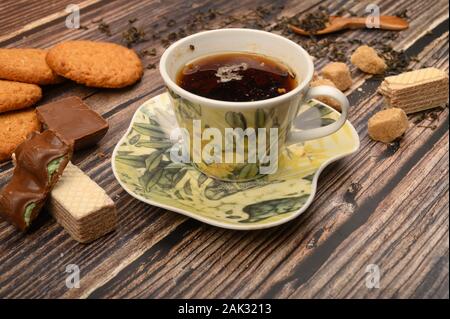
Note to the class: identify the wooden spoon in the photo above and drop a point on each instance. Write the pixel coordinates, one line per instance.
(340, 23)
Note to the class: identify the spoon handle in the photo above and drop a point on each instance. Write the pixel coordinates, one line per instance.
(386, 23)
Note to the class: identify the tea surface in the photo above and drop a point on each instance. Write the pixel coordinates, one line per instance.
(236, 77)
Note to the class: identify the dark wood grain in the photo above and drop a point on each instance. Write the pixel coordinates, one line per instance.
(399, 219)
(17, 14)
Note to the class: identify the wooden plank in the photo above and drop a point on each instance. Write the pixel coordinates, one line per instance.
(405, 237)
(156, 253)
(15, 14)
(33, 15)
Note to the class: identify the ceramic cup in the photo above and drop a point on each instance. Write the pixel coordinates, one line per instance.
(280, 112)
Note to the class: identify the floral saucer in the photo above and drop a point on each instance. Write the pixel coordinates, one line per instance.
(141, 163)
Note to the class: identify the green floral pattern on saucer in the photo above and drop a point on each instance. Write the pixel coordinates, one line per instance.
(141, 163)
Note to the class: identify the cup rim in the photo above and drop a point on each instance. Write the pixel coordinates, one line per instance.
(227, 104)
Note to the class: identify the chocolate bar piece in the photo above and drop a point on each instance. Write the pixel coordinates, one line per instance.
(74, 121)
(39, 162)
(81, 206)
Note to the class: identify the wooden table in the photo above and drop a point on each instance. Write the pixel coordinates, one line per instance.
(397, 221)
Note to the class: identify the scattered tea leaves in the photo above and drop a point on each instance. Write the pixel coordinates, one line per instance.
(351, 192)
(345, 11)
(148, 52)
(314, 21)
(101, 155)
(133, 36)
(392, 148)
(402, 14)
(104, 28)
(171, 23)
(432, 127)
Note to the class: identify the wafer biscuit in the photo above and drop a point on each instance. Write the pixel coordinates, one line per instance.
(414, 78)
(440, 96)
(420, 89)
(82, 207)
(416, 106)
(417, 90)
(427, 87)
(416, 93)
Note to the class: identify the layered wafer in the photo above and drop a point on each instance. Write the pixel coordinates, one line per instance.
(81, 206)
(417, 90)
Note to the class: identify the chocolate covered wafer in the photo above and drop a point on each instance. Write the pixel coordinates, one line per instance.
(39, 162)
(74, 121)
(81, 206)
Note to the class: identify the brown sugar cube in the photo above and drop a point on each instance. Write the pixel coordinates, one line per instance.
(388, 125)
(325, 99)
(367, 60)
(339, 74)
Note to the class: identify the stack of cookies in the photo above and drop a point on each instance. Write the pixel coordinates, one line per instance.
(24, 71)
(417, 90)
(21, 73)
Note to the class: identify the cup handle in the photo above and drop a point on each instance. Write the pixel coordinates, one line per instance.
(297, 136)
